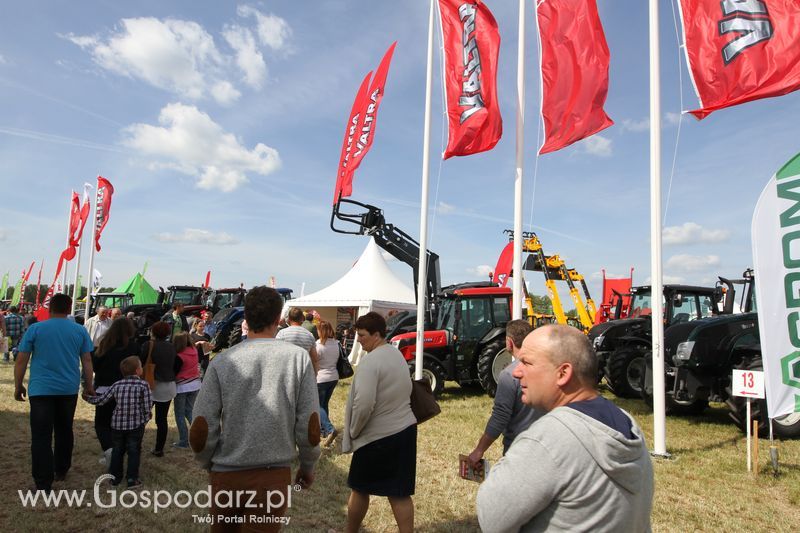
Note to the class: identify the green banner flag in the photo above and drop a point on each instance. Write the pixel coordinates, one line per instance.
(78, 288)
(17, 293)
(4, 287)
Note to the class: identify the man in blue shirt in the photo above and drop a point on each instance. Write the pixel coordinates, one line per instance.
(56, 348)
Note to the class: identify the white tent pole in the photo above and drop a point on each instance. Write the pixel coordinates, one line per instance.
(90, 277)
(516, 311)
(66, 263)
(656, 283)
(422, 280)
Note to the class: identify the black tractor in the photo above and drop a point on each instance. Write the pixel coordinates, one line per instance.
(623, 345)
(700, 359)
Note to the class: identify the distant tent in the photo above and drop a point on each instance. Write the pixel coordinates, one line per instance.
(143, 292)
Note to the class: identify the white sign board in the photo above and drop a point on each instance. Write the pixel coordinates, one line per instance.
(748, 383)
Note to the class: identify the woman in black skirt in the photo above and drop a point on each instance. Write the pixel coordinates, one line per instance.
(380, 429)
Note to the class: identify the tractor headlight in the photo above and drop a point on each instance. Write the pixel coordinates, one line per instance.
(598, 341)
(684, 352)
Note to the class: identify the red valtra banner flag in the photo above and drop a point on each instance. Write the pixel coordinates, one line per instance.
(367, 121)
(104, 193)
(74, 218)
(574, 71)
(740, 50)
(349, 136)
(471, 48)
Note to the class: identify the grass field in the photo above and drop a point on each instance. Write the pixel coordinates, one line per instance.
(704, 487)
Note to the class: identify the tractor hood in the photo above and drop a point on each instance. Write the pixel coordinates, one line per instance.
(407, 342)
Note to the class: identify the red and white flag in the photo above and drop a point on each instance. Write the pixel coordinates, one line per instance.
(349, 136)
(574, 71)
(471, 48)
(740, 51)
(367, 121)
(104, 192)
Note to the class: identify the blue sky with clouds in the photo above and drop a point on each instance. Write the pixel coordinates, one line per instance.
(220, 125)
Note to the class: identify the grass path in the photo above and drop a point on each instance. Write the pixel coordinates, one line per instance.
(704, 487)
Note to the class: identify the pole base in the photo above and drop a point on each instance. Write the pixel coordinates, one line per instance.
(658, 455)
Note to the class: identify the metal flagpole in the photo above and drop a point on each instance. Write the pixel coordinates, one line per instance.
(66, 263)
(656, 282)
(422, 283)
(90, 277)
(516, 312)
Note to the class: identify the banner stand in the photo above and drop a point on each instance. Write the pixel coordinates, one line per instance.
(749, 443)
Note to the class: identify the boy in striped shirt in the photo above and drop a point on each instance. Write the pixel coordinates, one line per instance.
(131, 414)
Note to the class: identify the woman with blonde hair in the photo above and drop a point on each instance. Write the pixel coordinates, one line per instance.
(328, 354)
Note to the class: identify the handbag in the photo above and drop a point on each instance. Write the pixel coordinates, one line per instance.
(423, 402)
(343, 366)
(150, 368)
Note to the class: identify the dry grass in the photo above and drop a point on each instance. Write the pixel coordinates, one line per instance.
(702, 488)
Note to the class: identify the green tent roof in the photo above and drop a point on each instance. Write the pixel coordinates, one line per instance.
(143, 292)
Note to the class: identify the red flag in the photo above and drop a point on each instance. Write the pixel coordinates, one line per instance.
(38, 285)
(740, 51)
(85, 206)
(471, 47)
(350, 133)
(74, 218)
(207, 283)
(104, 192)
(502, 270)
(368, 117)
(574, 71)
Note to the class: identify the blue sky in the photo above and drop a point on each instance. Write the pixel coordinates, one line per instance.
(220, 125)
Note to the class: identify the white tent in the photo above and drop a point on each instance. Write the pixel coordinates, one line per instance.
(369, 285)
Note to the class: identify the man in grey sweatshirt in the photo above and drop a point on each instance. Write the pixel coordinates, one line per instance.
(583, 466)
(257, 407)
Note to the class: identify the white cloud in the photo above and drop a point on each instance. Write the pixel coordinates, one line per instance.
(445, 208)
(225, 93)
(2, 60)
(272, 30)
(691, 233)
(174, 55)
(190, 142)
(481, 270)
(636, 125)
(197, 236)
(597, 145)
(672, 118)
(3, 234)
(691, 263)
(248, 58)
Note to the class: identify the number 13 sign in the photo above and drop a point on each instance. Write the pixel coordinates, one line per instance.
(748, 383)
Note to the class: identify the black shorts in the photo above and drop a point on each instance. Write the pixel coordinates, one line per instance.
(386, 467)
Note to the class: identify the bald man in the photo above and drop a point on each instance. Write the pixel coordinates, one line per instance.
(583, 466)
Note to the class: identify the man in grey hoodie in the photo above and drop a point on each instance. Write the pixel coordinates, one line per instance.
(257, 407)
(583, 466)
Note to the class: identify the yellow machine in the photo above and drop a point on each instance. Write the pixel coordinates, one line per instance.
(554, 269)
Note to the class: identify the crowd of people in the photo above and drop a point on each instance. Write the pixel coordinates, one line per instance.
(572, 459)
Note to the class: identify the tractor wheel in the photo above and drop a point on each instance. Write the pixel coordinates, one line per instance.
(786, 426)
(492, 360)
(235, 336)
(625, 371)
(434, 372)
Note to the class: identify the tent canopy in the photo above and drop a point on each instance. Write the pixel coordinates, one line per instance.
(143, 292)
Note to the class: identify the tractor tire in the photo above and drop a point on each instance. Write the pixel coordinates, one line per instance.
(491, 362)
(434, 372)
(787, 427)
(235, 336)
(675, 407)
(625, 370)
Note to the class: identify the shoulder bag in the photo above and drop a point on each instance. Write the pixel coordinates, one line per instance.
(343, 366)
(150, 367)
(423, 402)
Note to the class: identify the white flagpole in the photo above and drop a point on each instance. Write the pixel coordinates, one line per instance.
(66, 263)
(93, 240)
(422, 279)
(516, 311)
(656, 282)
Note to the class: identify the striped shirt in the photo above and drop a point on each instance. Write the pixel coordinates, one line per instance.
(134, 403)
(297, 335)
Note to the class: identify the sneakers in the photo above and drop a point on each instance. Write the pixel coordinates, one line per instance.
(180, 445)
(106, 458)
(329, 439)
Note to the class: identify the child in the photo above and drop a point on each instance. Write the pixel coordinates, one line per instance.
(131, 414)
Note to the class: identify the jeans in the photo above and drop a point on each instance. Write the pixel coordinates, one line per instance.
(51, 416)
(102, 424)
(162, 410)
(130, 442)
(184, 402)
(325, 391)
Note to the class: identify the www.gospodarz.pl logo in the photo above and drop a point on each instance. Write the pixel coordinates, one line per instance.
(109, 498)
